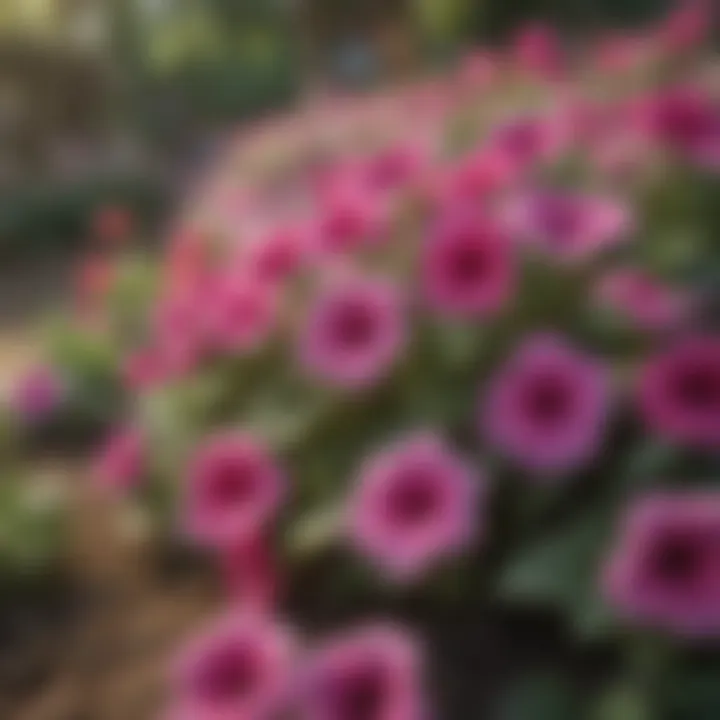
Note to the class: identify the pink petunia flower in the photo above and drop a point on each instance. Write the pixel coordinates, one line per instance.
(120, 464)
(687, 121)
(569, 225)
(537, 50)
(529, 141)
(371, 673)
(350, 220)
(242, 313)
(644, 300)
(687, 27)
(354, 333)
(37, 394)
(663, 570)
(547, 408)
(392, 168)
(279, 255)
(234, 490)
(240, 667)
(679, 392)
(468, 267)
(180, 325)
(415, 504)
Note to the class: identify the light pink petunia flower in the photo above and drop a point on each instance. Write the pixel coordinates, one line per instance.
(370, 673)
(664, 571)
(679, 392)
(415, 504)
(354, 333)
(240, 667)
(547, 407)
(570, 226)
(468, 267)
(234, 490)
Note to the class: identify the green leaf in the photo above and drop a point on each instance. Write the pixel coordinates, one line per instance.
(622, 702)
(561, 571)
(544, 697)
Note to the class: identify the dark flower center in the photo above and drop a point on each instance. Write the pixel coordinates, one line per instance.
(548, 400)
(413, 498)
(469, 262)
(521, 139)
(699, 388)
(677, 558)
(344, 223)
(229, 674)
(359, 695)
(354, 326)
(233, 482)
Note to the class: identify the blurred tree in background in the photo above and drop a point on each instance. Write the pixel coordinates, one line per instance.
(104, 90)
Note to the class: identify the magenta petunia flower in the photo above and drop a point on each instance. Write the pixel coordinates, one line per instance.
(242, 313)
(120, 463)
(392, 168)
(238, 668)
(37, 394)
(468, 267)
(354, 333)
(279, 255)
(415, 503)
(350, 220)
(371, 673)
(527, 141)
(664, 569)
(571, 226)
(687, 27)
(547, 407)
(234, 490)
(687, 121)
(645, 301)
(679, 392)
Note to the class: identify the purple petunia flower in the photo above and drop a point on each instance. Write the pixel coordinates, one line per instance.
(372, 673)
(547, 408)
(679, 392)
(415, 504)
(354, 333)
(37, 394)
(568, 225)
(234, 489)
(665, 569)
(238, 668)
(120, 464)
(468, 268)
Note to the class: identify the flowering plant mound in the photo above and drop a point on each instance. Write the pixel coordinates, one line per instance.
(467, 329)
